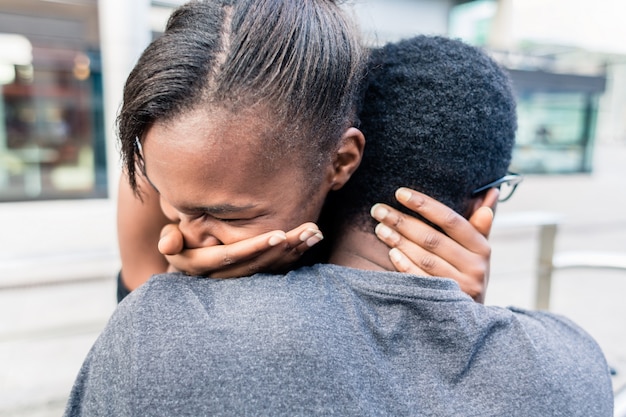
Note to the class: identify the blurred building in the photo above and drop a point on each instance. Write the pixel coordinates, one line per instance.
(63, 64)
(558, 82)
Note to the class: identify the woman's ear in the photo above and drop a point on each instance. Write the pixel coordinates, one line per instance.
(347, 158)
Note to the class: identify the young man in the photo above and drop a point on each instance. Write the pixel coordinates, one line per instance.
(353, 338)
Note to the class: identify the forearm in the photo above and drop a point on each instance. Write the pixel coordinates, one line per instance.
(139, 225)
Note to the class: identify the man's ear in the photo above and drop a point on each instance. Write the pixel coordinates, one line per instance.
(348, 157)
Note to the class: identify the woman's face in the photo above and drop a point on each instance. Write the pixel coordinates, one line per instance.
(213, 180)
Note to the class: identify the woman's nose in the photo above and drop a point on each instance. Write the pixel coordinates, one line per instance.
(197, 234)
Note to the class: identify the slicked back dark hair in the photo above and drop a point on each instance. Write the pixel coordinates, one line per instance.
(299, 62)
(438, 116)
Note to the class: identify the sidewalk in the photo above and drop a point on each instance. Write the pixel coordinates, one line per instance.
(47, 330)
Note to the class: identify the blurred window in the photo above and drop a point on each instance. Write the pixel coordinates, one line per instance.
(557, 116)
(51, 114)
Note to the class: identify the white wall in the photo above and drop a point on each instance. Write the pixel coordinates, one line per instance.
(390, 20)
(596, 25)
(57, 240)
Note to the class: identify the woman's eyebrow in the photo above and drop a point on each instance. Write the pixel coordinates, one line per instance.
(221, 208)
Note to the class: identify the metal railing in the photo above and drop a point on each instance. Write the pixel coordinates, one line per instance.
(549, 260)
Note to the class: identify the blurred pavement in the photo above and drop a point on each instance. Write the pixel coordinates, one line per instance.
(47, 329)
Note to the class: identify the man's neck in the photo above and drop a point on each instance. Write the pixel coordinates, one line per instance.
(361, 250)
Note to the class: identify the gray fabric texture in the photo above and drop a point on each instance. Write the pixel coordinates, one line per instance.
(330, 340)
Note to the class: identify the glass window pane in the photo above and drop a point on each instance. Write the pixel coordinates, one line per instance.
(551, 118)
(51, 129)
(554, 131)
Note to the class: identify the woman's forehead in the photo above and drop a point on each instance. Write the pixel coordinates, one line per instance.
(212, 126)
(206, 155)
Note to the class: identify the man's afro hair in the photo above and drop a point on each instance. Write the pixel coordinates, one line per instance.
(438, 116)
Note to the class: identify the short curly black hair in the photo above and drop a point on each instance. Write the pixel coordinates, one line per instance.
(438, 116)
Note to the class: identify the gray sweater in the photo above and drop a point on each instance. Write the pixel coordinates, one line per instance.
(330, 340)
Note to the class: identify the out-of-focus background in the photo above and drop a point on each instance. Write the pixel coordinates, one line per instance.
(62, 68)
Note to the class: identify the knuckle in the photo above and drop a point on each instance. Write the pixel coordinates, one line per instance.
(479, 270)
(398, 221)
(290, 250)
(452, 220)
(198, 272)
(431, 241)
(478, 276)
(477, 283)
(427, 263)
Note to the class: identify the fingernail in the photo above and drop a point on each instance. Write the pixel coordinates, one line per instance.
(276, 239)
(383, 231)
(308, 233)
(395, 255)
(398, 260)
(314, 240)
(379, 212)
(403, 195)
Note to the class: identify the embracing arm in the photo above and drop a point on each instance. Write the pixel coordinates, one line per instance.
(139, 225)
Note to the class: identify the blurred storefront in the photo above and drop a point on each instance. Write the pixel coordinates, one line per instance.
(51, 131)
(560, 77)
(62, 68)
(557, 115)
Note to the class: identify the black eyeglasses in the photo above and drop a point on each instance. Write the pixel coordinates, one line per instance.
(506, 184)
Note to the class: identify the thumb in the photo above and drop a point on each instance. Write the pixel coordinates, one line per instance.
(491, 199)
(482, 220)
(171, 242)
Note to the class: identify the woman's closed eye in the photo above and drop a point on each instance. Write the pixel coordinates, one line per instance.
(224, 213)
(205, 216)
